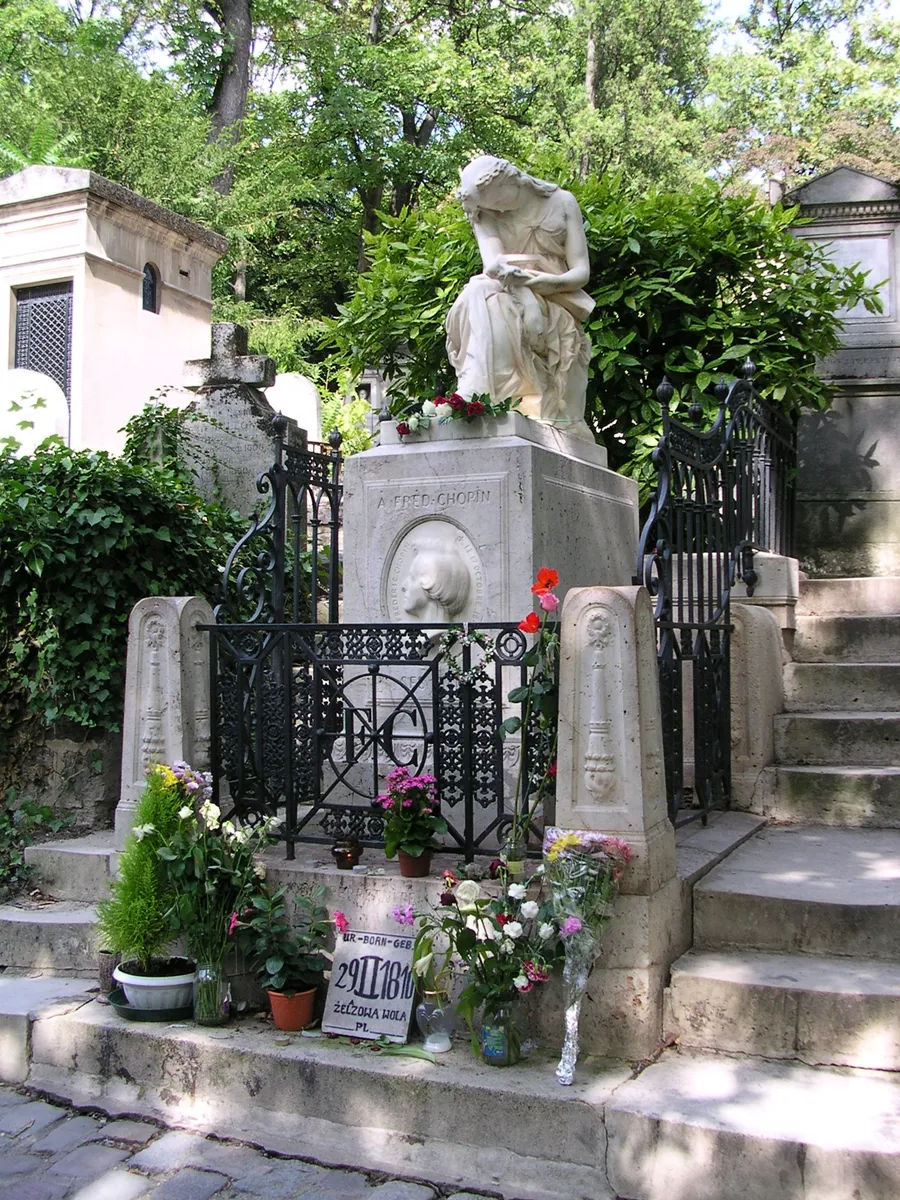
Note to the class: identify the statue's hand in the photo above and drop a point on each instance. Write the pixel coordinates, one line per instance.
(543, 283)
(505, 272)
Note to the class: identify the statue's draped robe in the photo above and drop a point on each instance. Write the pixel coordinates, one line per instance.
(505, 341)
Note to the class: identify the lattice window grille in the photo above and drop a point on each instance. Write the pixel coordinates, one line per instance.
(44, 332)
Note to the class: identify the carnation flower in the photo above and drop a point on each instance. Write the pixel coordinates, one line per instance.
(414, 421)
(507, 946)
(530, 909)
(468, 892)
(536, 974)
(570, 925)
(340, 921)
(259, 870)
(546, 931)
(517, 891)
(523, 983)
(404, 914)
(513, 929)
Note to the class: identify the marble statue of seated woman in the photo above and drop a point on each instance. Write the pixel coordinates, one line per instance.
(516, 330)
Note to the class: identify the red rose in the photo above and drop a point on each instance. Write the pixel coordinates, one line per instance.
(456, 402)
(448, 899)
(531, 624)
(474, 408)
(503, 918)
(403, 429)
(439, 400)
(495, 868)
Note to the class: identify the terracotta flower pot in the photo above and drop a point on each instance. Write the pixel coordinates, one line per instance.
(414, 868)
(292, 1013)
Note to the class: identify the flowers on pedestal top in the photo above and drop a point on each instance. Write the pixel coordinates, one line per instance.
(451, 408)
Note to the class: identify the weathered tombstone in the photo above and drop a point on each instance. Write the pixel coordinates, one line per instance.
(167, 713)
(234, 444)
(32, 408)
(848, 480)
(298, 398)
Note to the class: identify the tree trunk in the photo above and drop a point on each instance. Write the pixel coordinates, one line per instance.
(591, 75)
(229, 100)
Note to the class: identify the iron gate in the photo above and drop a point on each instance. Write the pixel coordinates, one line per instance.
(722, 494)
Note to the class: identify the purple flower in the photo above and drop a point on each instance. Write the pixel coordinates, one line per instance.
(404, 915)
(570, 925)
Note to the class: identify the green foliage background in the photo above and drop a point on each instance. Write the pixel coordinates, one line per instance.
(83, 537)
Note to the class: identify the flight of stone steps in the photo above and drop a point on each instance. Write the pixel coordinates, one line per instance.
(787, 1008)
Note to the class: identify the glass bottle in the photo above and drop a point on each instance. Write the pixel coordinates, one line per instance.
(500, 1045)
(434, 1016)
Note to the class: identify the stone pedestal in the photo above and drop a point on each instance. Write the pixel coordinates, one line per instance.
(453, 524)
(757, 696)
(610, 778)
(167, 707)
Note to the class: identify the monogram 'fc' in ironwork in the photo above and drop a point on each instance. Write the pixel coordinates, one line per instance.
(721, 495)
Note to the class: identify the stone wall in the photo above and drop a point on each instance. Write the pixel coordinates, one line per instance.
(72, 770)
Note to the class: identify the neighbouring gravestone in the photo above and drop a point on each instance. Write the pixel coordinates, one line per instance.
(233, 445)
(371, 991)
(848, 476)
(167, 704)
(298, 398)
(33, 407)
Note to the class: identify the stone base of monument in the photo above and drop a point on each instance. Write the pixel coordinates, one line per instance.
(488, 503)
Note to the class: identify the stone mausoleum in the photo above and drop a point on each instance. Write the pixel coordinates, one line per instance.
(102, 291)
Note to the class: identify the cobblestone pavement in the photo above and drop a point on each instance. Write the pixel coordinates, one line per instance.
(50, 1152)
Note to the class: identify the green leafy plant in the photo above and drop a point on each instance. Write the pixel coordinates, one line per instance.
(290, 954)
(138, 920)
(20, 825)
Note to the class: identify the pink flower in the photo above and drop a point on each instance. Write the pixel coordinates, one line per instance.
(535, 974)
(548, 602)
(232, 924)
(340, 921)
(404, 914)
(403, 429)
(570, 925)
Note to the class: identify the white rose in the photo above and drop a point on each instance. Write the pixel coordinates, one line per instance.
(513, 929)
(468, 892)
(530, 909)
(428, 408)
(443, 412)
(413, 421)
(516, 891)
(546, 931)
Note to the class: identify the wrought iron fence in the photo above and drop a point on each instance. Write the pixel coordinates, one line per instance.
(722, 494)
(286, 567)
(310, 718)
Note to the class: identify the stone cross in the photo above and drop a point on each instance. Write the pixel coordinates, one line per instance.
(229, 364)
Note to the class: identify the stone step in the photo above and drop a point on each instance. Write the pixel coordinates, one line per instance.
(803, 889)
(460, 1123)
(709, 1127)
(853, 639)
(77, 869)
(838, 739)
(58, 938)
(832, 597)
(835, 1011)
(842, 687)
(855, 797)
(22, 1002)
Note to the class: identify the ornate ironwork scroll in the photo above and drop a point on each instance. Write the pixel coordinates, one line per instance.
(286, 566)
(310, 719)
(722, 494)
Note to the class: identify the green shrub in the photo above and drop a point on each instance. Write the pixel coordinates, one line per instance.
(20, 824)
(83, 537)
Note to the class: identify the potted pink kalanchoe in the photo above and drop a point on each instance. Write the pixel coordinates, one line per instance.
(411, 820)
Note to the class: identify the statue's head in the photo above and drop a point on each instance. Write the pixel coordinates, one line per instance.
(437, 577)
(494, 184)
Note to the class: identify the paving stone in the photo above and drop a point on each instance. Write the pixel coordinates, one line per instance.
(65, 1136)
(15, 1163)
(137, 1133)
(466, 1196)
(278, 1180)
(191, 1184)
(8, 1099)
(115, 1185)
(87, 1162)
(46, 1188)
(172, 1150)
(337, 1183)
(235, 1161)
(398, 1189)
(33, 1117)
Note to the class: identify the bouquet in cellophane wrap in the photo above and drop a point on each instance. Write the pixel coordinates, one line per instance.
(582, 870)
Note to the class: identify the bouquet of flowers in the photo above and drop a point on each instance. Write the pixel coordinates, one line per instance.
(506, 944)
(452, 408)
(411, 814)
(583, 870)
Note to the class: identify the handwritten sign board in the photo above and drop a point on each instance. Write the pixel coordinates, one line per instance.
(371, 990)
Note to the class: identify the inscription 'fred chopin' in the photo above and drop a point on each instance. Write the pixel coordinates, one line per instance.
(412, 501)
